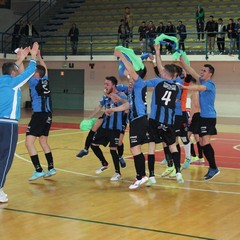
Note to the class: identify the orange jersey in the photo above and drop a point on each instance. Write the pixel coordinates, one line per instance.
(184, 97)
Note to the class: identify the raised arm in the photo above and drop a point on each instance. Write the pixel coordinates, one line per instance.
(127, 64)
(158, 59)
(21, 55)
(189, 69)
(41, 62)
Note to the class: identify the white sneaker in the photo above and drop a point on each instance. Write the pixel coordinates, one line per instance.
(179, 178)
(2, 192)
(137, 183)
(3, 197)
(151, 181)
(101, 169)
(116, 177)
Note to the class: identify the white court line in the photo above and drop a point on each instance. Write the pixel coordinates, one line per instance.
(159, 185)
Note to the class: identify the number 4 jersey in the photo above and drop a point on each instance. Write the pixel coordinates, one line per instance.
(164, 97)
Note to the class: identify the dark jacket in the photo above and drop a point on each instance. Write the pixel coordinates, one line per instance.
(211, 28)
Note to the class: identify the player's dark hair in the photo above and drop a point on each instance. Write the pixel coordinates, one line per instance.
(41, 70)
(210, 67)
(113, 80)
(8, 67)
(170, 69)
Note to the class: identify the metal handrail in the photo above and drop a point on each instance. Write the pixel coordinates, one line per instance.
(101, 44)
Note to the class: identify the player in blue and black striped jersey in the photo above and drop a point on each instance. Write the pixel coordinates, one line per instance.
(137, 116)
(41, 120)
(111, 127)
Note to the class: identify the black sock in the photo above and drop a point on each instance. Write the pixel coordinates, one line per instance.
(139, 161)
(168, 156)
(176, 161)
(120, 150)
(193, 153)
(200, 150)
(179, 151)
(36, 163)
(115, 159)
(89, 139)
(151, 163)
(49, 158)
(98, 152)
(210, 155)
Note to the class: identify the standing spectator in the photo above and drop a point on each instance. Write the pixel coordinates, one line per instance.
(211, 29)
(232, 36)
(160, 30)
(200, 16)
(123, 33)
(73, 34)
(170, 30)
(142, 35)
(16, 35)
(237, 30)
(221, 36)
(151, 35)
(208, 116)
(41, 120)
(29, 31)
(10, 94)
(128, 18)
(181, 31)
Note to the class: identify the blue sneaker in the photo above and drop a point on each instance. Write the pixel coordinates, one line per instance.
(36, 175)
(163, 162)
(186, 162)
(122, 162)
(50, 173)
(82, 153)
(211, 173)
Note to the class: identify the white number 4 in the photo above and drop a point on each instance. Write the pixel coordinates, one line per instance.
(166, 97)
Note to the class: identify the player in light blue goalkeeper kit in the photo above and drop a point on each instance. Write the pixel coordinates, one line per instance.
(10, 94)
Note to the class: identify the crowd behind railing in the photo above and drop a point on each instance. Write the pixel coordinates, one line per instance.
(103, 44)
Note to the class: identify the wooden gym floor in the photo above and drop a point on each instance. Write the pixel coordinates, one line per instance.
(78, 204)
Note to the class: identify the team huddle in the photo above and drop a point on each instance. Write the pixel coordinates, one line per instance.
(168, 119)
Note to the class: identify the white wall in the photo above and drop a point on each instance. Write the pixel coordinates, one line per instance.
(227, 79)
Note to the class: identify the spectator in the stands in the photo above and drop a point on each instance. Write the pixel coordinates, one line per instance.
(221, 36)
(128, 18)
(151, 35)
(170, 30)
(160, 30)
(29, 31)
(74, 34)
(232, 36)
(200, 16)
(123, 32)
(211, 29)
(181, 31)
(16, 35)
(237, 30)
(142, 35)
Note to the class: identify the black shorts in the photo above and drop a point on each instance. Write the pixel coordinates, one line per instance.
(138, 133)
(105, 136)
(194, 126)
(207, 126)
(39, 124)
(181, 125)
(159, 132)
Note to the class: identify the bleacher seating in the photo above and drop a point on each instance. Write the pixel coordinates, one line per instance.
(100, 18)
